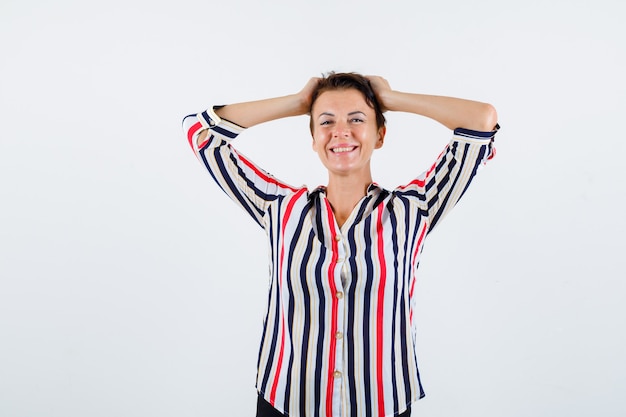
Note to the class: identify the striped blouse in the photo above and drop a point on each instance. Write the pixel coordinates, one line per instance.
(339, 337)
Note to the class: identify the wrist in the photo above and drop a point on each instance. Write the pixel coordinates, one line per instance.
(388, 100)
(301, 104)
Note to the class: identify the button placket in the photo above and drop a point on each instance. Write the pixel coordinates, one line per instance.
(338, 335)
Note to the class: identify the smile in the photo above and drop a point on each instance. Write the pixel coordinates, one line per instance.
(343, 149)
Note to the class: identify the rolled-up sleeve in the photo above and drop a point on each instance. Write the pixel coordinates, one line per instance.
(437, 190)
(245, 183)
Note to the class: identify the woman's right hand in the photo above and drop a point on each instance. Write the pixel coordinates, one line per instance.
(305, 95)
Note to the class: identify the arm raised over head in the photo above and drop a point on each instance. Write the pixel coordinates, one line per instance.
(450, 111)
(251, 113)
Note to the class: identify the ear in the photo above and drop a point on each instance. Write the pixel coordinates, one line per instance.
(381, 137)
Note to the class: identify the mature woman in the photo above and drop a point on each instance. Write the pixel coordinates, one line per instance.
(338, 336)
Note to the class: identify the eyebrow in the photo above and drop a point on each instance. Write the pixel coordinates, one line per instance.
(352, 113)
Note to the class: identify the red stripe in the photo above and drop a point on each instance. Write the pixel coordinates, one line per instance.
(334, 308)
(380, 311)
(261, 174)
(421, 183)
(418, 182)
(286, 217)
(192, 131)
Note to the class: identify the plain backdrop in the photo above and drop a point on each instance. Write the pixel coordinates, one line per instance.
(131, 286)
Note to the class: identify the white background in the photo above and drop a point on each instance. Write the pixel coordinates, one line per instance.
(131, 286)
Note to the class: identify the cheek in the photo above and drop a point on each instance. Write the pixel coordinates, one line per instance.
(364, 136)
(315, 143)
(318, 139)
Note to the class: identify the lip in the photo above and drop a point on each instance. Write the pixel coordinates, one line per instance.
(342, 148)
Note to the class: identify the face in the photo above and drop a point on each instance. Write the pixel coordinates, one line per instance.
(345, 132)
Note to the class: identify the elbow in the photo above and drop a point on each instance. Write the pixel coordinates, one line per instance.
(482, 118)
(202, 137)
(488, 118)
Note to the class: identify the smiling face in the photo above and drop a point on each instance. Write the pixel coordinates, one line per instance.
(345, 133)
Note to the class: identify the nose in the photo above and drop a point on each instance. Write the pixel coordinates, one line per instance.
(341, 130)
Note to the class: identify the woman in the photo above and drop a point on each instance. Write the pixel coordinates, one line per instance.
(338, 336)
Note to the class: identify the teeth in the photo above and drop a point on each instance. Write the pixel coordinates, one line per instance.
(339, 150)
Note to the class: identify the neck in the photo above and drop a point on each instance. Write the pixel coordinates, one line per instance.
(344, 193)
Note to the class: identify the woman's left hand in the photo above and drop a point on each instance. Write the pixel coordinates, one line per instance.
(381, 88)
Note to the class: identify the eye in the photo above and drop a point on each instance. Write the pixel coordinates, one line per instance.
(356, 120)
(325, 122)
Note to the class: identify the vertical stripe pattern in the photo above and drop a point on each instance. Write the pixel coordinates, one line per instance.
(338, 335)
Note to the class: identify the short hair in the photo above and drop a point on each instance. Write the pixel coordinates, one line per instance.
(348, 80)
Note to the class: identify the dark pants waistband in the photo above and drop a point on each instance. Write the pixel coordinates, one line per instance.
(265, 409)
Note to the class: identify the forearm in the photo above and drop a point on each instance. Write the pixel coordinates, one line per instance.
(450, 111)
(252, 113)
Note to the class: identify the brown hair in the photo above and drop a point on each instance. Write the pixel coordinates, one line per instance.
(344, 81)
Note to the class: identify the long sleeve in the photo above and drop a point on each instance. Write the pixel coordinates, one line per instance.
(245, 183)
(437, 190)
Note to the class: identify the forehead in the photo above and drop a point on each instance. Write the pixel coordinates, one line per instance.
(341, 100)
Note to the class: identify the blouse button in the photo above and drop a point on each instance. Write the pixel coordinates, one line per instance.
(337, 374)
(339, 295)
(338, 335)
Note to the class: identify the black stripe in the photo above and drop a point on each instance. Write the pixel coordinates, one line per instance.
(362, 207)
(238, 196)
(444, 203)
(406, 279)
(251, 184)
(269, 293)
(304, 282)
(367, 342)
(208, 167)
(274, 296)
(476, 134)
(394, 238)
(350, 336)
(291, 304)
(319, 219)
(224, 132)
(319, 283)
(477, 162)
(381, 197)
